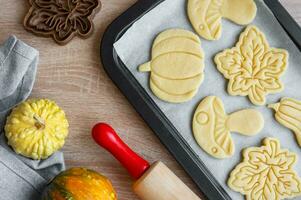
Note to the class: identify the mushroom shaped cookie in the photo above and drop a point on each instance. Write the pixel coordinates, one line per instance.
(212, 126)
(177, 65)
(206, 15)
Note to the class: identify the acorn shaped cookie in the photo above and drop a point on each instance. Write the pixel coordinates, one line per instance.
(176, 67)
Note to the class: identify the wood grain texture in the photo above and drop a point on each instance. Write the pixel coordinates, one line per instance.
(73, 76)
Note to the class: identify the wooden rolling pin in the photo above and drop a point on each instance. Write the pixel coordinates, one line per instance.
(153, 182)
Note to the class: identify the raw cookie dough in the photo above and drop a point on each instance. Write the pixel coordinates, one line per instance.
(252, 66)
(177, 65)
(206, 15)
(266, 173)
(212, 126)
(288, 113)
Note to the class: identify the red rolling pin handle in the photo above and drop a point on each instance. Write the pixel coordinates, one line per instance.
(105, 136)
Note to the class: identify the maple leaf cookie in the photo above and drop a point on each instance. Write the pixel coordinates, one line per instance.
(252, 66)
(266, 172)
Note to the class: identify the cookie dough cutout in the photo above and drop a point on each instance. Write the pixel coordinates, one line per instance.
(176, 67)
(212, 126)
(253, 67)
(206, 15)
(288, 113)
(266, 172)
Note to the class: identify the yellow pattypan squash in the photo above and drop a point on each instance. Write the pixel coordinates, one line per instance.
(36, 128)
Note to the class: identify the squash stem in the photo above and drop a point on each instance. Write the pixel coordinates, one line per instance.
(274, 106)
(40, 123)
(146, 67)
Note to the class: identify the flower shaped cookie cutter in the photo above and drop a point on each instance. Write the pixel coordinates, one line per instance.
(61, 19)
(252, 66)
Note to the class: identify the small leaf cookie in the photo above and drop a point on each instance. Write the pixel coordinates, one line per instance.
(288, 113)
(206, 15)
(266, 173)
(177, 65)
(252, 66)
(212, 126)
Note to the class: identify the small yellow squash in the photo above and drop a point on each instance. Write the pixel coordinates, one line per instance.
(36, 128)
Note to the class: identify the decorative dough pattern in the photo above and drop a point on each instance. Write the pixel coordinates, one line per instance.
(212, 126)
(266, 173)
(288, 113)
(206, 15)
(177, 65)
(252, 67)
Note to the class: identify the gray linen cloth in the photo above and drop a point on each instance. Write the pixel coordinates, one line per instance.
(20, 178)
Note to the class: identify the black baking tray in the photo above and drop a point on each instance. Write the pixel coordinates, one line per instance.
(147, 108)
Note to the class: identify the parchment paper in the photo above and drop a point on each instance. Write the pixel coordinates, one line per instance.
(134, 49)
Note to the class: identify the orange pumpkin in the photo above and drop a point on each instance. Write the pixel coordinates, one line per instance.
(80, 184)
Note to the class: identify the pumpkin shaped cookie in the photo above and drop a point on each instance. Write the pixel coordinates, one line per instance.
(206, 15)
(177, 65)
(212, 126)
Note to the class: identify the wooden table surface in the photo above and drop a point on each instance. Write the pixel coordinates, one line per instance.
(73, 76)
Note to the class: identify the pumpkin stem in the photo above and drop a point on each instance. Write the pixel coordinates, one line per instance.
(274, 106)
(146, 67)
(40, 123)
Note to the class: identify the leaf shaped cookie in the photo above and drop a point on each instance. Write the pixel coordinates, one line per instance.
(212, 126)
(252, 66)
(206, 15)
(266, 173)
(177, 65)
(61, 20)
